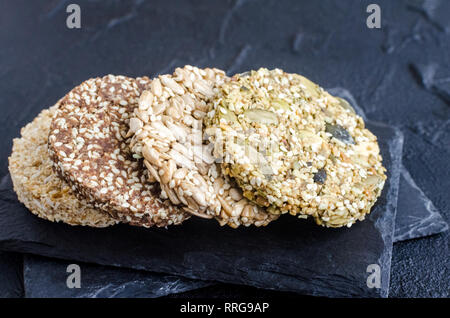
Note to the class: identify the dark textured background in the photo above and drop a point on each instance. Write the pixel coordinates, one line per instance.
(399, 74)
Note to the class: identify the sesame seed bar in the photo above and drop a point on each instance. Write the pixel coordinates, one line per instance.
(90, 150)
(39, 188)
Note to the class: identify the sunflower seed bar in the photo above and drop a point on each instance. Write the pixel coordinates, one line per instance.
(167, 129)
(89, 149)
(292, 147)
(39, 188)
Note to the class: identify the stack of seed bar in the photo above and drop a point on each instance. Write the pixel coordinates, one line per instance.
(242, 150)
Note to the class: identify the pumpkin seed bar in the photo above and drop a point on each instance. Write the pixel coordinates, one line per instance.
(294, 148)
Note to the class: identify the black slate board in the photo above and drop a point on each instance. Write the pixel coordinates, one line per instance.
(44, 277)
(11, 279)
(290, 254)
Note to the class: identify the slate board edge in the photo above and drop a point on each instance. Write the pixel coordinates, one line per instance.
(441, 225)
(392, 201)
(57, 255)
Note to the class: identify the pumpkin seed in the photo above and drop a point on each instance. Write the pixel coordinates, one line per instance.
(373, 180)
(310, 87)
(346, 105)
(320, 176)
(340, 133)
(261, 116)
(278, 103)
(229, 116)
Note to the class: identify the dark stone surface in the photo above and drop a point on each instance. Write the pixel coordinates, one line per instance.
(398, 73)
(45, 277)
(421, 267)
(11, 278)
